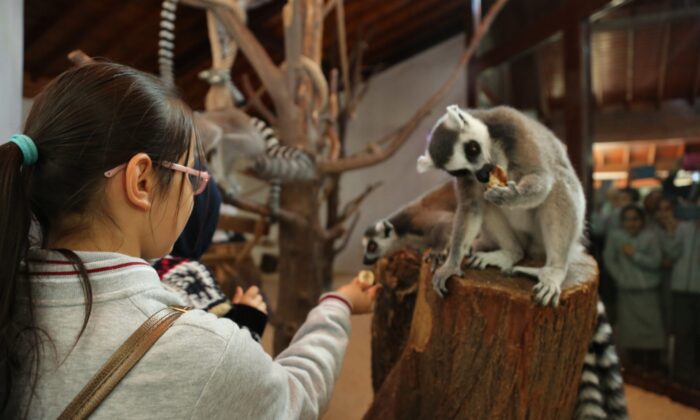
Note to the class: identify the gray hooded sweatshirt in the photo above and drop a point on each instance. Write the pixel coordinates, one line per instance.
(203, 367)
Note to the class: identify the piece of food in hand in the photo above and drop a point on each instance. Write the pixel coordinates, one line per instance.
(497, 177)
(366, 277)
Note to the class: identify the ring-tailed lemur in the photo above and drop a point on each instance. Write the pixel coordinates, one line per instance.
(540, 211)
(423, 223)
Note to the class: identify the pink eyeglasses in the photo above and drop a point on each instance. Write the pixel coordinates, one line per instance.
(198, 179)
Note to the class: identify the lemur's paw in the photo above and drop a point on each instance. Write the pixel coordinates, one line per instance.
(501, 195)
(436, 259)
(546, 293)
(441, 276)
(498, 259)
(548, 290)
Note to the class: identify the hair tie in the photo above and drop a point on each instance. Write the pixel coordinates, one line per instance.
(28, 148)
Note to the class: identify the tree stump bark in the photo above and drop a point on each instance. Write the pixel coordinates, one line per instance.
(487, 351)
(398, 275)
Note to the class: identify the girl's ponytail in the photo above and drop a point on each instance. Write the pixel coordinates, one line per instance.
(15, 221)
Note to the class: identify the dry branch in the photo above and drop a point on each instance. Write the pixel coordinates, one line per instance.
(262, 210)
(347, 236)
(362, 160)
(268, 73)
(79, 58)
(353, 205)
(255, 101)
(328, 7)
(342, 47)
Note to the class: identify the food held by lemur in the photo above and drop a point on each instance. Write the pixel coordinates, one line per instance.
(538, 212)
(497, 177)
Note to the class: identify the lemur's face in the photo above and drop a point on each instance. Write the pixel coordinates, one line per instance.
(458, 144)
(377, 241)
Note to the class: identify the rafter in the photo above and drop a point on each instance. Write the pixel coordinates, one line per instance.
(536, 33)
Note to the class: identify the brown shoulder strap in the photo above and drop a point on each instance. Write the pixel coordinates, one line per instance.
(121, 363)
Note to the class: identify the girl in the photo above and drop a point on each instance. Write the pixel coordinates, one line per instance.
(633, 257)
(104, 173)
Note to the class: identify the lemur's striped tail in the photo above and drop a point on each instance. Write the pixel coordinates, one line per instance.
(166, 41)
(601, 391)
(285, 163)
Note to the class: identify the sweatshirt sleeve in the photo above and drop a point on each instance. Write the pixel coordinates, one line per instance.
(297, 384)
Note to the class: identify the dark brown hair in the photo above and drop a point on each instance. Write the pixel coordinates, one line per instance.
(85, 122)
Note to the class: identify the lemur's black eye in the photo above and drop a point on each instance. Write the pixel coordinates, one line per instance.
(372, 247)
(472, 150)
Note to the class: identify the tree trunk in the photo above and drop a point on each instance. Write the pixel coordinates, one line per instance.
(487, 351)
(398, 275)
(301, 265)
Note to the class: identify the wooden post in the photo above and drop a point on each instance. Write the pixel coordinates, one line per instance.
(487, 351)
(577, 102)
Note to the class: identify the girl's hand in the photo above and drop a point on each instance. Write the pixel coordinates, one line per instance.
(251, 297)
(360, 295)
(628, 250)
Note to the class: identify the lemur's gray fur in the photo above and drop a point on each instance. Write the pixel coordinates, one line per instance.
(423, 223)
(540, 211)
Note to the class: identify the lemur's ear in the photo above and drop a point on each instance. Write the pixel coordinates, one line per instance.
(388, 228)
(424, 163)
(455, 118)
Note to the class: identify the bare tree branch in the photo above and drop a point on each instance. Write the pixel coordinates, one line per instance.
(332, 124)
(268, 73)
(261, 210)
(353, 205)
(79, 58)
(364, 159)
(328, 7)
(255, 102)
(348, 235)
(342, 47)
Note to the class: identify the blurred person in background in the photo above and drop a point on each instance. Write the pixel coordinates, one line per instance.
(633, 257)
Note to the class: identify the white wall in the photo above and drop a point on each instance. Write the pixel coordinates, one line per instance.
(11, 58)
(393, 97)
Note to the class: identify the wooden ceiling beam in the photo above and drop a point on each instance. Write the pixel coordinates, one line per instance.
(661, 16)
(423, 19)
(64, 35)
(539, 31)
(369, 17)
(421, 40)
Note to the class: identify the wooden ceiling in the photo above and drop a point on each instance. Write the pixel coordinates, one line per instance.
(642, 51)
(126, 31)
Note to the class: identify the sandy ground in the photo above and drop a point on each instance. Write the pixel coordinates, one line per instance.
(353, 392)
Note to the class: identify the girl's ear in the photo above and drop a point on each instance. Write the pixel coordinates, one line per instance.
(139, 181)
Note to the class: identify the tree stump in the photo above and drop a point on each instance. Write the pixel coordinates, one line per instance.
(487, 351)
(398, 275)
